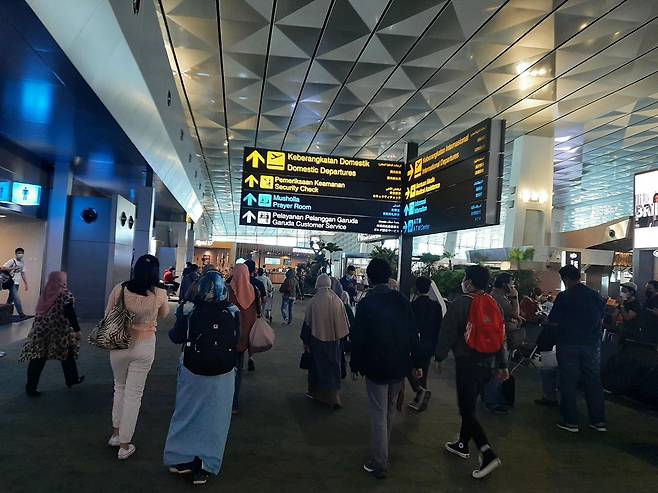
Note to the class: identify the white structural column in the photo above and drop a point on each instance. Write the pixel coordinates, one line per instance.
(58, 205)
(189, 254)
(529, 220)
(144, 221)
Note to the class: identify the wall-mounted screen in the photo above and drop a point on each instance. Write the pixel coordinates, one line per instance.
(25, 194)
(272, 261)
(646, 210)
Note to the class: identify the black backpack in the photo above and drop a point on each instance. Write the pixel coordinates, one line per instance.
(212, 335)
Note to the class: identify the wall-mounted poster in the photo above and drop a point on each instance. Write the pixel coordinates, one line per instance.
(646, 210)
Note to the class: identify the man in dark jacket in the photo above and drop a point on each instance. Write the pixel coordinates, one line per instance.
(578, 312)
(428, 320)
(473, 370)
(384, 349)
(349, 283)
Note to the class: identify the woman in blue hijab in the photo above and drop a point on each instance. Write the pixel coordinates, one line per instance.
(208, 328)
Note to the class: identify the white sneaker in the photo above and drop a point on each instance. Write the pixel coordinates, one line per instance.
(125, 453)
(114, 441)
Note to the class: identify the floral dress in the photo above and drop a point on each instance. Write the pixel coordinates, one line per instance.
(52, 336)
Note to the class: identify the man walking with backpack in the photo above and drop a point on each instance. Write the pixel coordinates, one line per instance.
(474, 330)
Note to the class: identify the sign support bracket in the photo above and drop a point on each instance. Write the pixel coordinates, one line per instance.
(406, 241)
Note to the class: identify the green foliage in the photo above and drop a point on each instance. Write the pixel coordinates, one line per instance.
(429, 260)
(449, 256)
(449, 281)
(517, 256)
(526, 282)
(389, 255)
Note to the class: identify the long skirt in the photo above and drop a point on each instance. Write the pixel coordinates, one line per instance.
(324, 376)
(201, 420)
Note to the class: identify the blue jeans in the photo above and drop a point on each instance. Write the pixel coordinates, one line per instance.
(580, 364)
(238, 381)
(15, 298)
(286, 304)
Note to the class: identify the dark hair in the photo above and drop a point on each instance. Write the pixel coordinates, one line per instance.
(654, 284)
(19, 249)
(146, 275)
(537, 292)
(194, 267)
(478, 275)
(503, 278)
(630, 290)
(172, 268)
(379, 271)
(423, 285)
(569, 272)
(261, 271)
(251, 265)
(351, 268)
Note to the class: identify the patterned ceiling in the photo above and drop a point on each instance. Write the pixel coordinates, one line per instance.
(361, 77)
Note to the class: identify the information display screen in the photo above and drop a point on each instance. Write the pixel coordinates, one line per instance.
(457, 185)
(320, 192)
(646, 210)
(25, 194)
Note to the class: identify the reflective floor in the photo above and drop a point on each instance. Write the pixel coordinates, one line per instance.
(281, 442)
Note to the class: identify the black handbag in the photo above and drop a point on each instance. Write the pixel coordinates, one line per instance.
(306, 361)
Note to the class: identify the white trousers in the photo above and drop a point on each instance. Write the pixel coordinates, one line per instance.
(130, 367)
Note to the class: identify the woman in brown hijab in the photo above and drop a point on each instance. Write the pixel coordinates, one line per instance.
(325, 325)
(243, 295)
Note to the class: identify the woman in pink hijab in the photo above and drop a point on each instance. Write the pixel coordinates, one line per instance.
(243, 295)
(55, 335)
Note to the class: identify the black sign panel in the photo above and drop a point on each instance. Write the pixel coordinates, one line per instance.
(457, 185)
(319, 192)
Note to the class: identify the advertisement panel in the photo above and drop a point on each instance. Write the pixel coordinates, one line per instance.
(646, 210)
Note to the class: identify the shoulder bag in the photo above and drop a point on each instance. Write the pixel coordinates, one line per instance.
(113, 331)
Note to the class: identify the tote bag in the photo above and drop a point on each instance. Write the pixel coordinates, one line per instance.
(262, 337)
(113, 332)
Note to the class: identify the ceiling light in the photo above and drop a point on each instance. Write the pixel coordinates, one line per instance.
(617, 33)
(522, 67)
(562, 139)
(583, 25)
(542, 71)
(242, 97)
(2, 216)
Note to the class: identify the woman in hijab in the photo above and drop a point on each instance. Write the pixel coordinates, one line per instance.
(55, 335)
(243, 295)
(325, 325)
(202, 416)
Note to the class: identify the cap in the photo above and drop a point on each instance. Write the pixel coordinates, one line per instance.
(630, 285)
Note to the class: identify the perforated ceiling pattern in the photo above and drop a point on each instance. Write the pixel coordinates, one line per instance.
(360, 78)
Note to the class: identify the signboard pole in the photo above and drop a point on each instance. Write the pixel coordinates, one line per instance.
(406, 241)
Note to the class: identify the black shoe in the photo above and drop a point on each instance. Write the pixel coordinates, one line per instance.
(601, 427)
(458, 448)
(32, 392)
(568, 427)
(201, 477)
(425, 400)
(546, 402)
(251, 366)
(499, 410)
(374, 471)
(80, 380)
(488, 463)
(182, 468)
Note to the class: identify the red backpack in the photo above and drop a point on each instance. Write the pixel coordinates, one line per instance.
(485, 328)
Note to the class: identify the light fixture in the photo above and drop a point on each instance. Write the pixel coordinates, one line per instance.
(2, 216)
(532, 196)
(562, 139)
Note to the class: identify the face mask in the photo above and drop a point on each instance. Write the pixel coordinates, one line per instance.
(465, 289)
(19, 256)
(623, 296)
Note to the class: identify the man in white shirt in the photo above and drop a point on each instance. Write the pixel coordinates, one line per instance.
(16, 268)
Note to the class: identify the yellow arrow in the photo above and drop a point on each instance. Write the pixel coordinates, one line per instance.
(251, 180)
(255, 157)
(410, 171)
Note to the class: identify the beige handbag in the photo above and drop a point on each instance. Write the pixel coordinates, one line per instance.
(113, 331)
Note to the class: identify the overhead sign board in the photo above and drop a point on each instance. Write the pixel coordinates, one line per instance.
(25, 194)
(5, 191)
(456, 185)
(296, 190)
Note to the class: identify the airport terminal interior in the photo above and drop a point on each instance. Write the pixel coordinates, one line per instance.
(329, 245)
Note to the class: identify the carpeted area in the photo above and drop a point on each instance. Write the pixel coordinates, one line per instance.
(281, 442)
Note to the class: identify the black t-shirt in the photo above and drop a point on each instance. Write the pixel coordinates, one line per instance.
(632, 327)
(650, 321)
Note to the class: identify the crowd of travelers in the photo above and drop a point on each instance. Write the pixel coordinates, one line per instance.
(385, 338)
